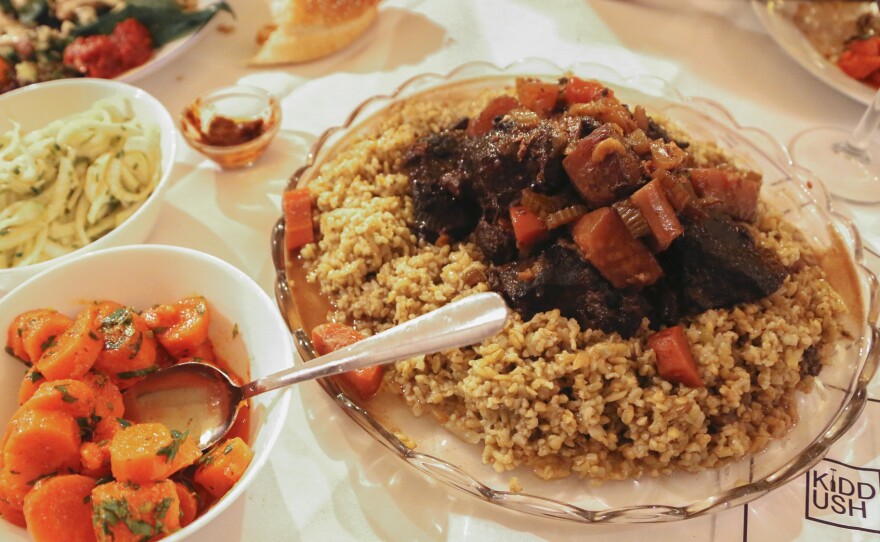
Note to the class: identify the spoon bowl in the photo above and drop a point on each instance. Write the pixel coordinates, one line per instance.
(203, 400)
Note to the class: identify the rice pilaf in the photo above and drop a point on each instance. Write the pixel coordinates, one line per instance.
(545, 393)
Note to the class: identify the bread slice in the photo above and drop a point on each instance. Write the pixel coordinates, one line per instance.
(305, 30)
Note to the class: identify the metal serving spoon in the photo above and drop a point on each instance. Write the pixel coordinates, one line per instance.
(203, 400)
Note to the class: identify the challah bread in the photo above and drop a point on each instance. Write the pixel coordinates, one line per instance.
(305, 30)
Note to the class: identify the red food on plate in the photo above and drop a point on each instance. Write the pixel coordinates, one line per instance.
(129, 46)
(861, 60)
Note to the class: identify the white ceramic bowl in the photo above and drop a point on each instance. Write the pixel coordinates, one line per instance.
(37, 105)
(143, 275)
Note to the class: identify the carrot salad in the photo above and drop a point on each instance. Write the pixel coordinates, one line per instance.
(72, 467)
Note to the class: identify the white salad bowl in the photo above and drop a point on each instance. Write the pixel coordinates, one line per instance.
(246, 329)
(35, 106)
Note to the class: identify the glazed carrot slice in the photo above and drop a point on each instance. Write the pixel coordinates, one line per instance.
(60, 508)
(189, 504)
(500, 106)
(125, 512)
(330, 337)
(528, 228)
(108, 398)
(73, 397)
(95, 460)
(181, 328)
(32, 381)
(22, 335)
(584, 90)
(41, 330)
(675, 362)
(223, 466)
(12, 492)
(298, 228)
(147, 452)
(538, 96)
(74, 352)
(41, 443)
(129, 346)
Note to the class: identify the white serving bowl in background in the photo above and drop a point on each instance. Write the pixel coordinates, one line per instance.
(37, 105)
(144, 275)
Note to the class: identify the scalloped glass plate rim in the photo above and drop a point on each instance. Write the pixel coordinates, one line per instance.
(456, 477)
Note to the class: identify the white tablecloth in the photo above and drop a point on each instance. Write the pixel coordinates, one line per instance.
(327, 479)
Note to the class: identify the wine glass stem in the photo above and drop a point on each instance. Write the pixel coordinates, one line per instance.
(858, 140)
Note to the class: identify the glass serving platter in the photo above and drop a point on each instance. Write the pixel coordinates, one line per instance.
(833, 406)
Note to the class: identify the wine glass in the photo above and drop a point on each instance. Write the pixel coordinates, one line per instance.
(847, 161)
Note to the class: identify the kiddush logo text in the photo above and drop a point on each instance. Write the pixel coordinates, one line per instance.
(844, 496)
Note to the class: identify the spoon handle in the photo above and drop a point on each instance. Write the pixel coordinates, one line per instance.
(464, 322)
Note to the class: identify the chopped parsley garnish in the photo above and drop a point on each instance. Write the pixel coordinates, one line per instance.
(228, 449)
(42, 477)
(125, 375)
(65, 395)
(35, 376)
(50, 342)
(162, 508)
(123, 423)
(93, 336)
(170, 451)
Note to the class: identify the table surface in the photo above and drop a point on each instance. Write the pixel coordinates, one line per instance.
(327, 479)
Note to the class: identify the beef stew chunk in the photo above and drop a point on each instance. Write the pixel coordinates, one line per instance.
(715, 264)
(559, 278)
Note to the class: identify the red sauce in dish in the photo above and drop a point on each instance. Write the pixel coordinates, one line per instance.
(225, 131)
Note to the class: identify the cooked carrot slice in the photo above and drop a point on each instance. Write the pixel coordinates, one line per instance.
(189, 504)
(607, 243)
(330, 337)
(659, 214)
(95, 455)
(583, 90)
(108, 398)
(33, 331)
(73, 397)
(12, 492)
(675, 362)
(41, 330)
(60, 508)
(223, 466)
(41, 443)
(298, 228)
(181, 328)
(129, 346)
(95, 460)
(500, 106)
(148, 452)
(538, 96)
(32, 381)
(125, 512)
(528, 228)
(74, 352)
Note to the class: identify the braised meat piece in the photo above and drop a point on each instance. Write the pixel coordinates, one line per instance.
(442, 195)
(496, 240)
(715, 263)
(560, 278)
(516, 155)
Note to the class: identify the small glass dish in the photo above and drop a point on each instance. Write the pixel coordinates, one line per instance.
(233, 126)
(825, 414)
